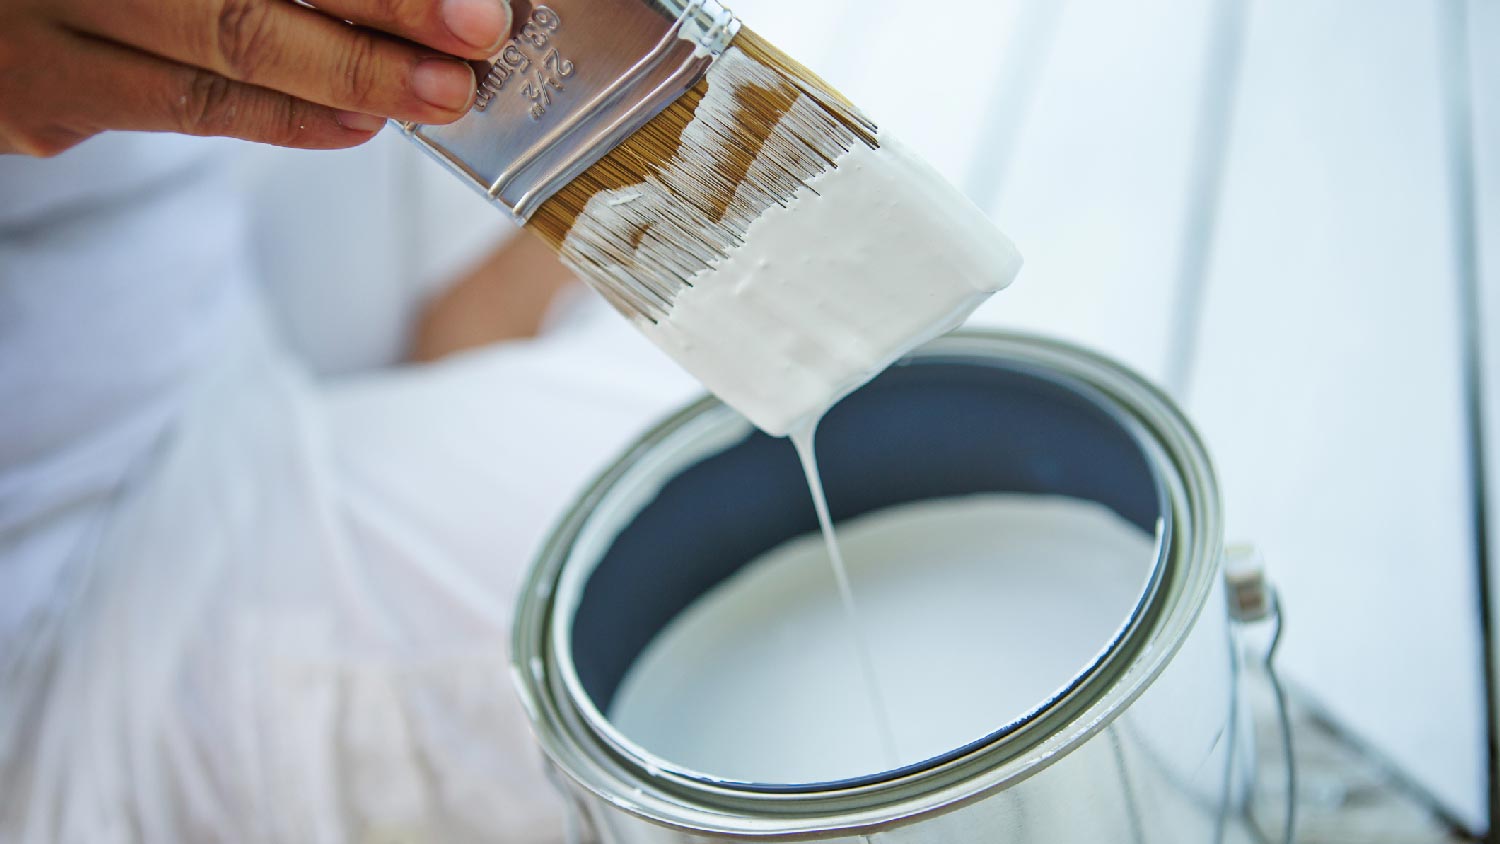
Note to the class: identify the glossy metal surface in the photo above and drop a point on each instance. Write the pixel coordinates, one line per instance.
(579, 77)
(1150, 746)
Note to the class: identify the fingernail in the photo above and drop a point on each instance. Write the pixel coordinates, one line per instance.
(482, 24)
(356, 121)
(444, 83)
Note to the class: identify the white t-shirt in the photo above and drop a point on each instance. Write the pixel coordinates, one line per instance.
(122, 264)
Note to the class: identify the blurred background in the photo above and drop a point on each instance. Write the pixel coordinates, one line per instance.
(1287, 214)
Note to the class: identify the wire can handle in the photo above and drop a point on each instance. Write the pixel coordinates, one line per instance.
(1252, 600)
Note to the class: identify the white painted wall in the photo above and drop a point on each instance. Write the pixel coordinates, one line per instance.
(1329, 381)
(1484, 75)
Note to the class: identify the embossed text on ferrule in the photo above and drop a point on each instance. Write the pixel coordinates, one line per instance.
(534, 60)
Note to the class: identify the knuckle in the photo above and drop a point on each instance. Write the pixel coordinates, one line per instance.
(242, 34)
(205, 105)
(359, 72)
(410, 14)
(286, 123)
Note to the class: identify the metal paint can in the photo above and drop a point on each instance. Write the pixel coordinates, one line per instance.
(1148, 743)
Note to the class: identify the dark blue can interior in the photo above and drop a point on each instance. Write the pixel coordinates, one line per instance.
(932, 428)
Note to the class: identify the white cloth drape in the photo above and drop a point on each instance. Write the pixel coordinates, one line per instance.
(274, 609)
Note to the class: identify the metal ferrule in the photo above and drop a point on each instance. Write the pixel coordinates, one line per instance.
(577, 79)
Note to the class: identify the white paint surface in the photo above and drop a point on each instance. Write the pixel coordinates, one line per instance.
(976, 609)
(854, 625)
(878, 256)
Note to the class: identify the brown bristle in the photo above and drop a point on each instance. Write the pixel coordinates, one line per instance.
(764, 52)
(690, 196)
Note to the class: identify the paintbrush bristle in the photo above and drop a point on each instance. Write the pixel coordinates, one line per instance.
(676, 196)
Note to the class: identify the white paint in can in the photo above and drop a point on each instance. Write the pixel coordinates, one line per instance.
(803, 438)
(976, 610)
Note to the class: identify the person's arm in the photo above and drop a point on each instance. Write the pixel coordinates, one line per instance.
(506, 296)
(273, 71)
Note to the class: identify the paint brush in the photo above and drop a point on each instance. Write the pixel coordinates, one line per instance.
(645, 139)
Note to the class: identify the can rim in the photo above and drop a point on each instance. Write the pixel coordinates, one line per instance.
(680, 446)
(581, 743)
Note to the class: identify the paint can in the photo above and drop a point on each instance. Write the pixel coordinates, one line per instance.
(1147, 742)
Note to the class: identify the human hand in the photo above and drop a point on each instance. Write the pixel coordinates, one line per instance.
(273, 71)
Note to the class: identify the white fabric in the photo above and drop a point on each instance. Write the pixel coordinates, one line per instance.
(280, 610)
(349, 245)
(107, 304)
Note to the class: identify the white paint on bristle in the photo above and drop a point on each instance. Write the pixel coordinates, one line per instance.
(823, 275)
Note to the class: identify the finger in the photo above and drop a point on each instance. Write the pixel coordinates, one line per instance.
(292, 49)
(151, 94)
(470, 28)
